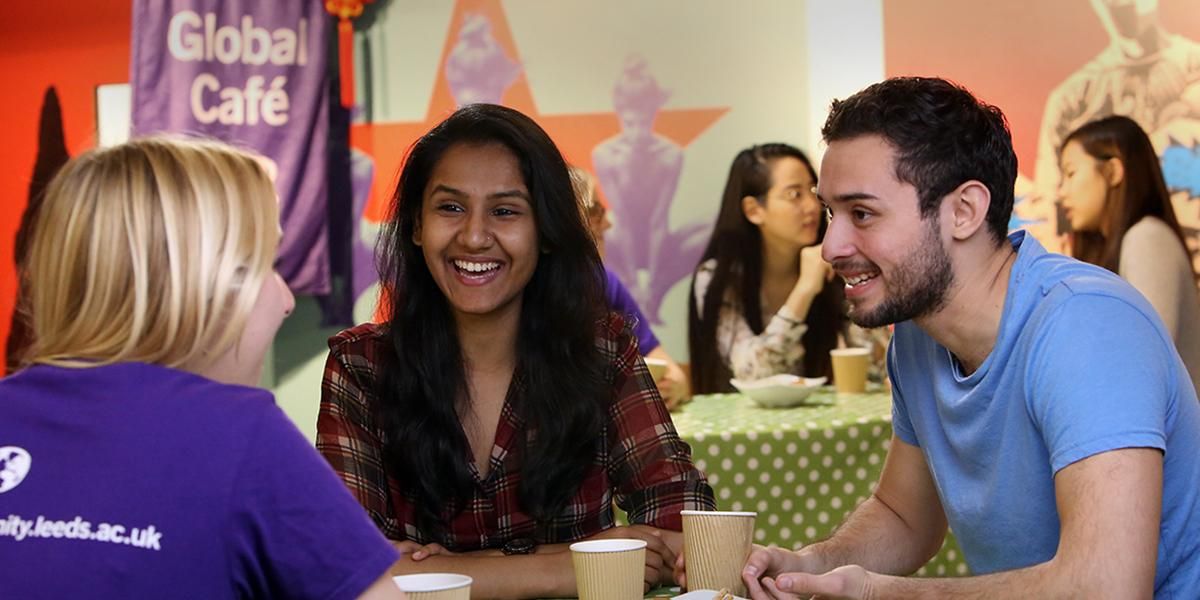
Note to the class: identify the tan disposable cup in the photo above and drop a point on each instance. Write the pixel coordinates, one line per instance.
(609, 569)
(435, 586)
(716, 545)
(850, 369)
(657, 367)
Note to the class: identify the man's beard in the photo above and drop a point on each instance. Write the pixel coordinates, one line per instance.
(917, 287)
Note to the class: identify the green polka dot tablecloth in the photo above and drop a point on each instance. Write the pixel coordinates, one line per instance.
(803, 469)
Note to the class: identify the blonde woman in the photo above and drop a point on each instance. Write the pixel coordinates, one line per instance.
(672, 382)
(139, 461)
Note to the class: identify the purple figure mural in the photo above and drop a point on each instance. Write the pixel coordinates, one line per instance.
(639, 171)
(477, 69)
(364, 276)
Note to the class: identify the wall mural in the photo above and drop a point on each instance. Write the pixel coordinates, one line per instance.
(1054, 66)
(636, 151)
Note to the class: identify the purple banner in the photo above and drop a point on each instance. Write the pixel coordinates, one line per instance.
(252, 73)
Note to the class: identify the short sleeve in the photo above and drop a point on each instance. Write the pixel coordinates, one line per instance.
(296, 532)
(1103, 377)
(901, 424)
(623, 303)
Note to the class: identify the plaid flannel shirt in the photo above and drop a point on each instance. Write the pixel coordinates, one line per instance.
(642, 464)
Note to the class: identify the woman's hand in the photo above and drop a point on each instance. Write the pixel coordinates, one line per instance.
(418, 552)
(680, 571)
(814, 271)
(660, 557)
(673, 384)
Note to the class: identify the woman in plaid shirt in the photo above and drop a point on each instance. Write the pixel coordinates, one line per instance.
(500, 411)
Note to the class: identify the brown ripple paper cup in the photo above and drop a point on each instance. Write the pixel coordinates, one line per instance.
(609, 569)
(435, 586)
(850, 369)
(715, 546)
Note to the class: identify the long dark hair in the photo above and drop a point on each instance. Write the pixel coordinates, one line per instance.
(1141, 193)
(737, 246)
(560, 375)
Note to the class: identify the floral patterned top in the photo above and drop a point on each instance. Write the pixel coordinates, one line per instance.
(776, 350)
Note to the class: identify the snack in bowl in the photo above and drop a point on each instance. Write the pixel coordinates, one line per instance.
(779, 391)
(707, 594)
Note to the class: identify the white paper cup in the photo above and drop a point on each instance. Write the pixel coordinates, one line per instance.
(435, 586)
(609, 569)
(716, 545)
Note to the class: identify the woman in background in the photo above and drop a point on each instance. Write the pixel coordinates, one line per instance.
(763, 300)
(1120, 212)
(134, 436)
(501, 409)
(672, 383)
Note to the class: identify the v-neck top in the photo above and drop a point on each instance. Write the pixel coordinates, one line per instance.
(641, 463)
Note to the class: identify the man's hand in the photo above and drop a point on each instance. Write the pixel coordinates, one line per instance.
(770, 561)
(850, 582)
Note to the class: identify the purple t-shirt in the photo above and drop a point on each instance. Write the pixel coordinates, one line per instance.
(622, 302)
(140, 481)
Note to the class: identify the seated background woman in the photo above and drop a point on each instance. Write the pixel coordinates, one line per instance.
(673, 383)
(1120, 212)
(501, 409)
(134, 431)
(763, 302)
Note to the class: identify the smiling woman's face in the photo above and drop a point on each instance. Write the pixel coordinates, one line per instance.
(478, 231)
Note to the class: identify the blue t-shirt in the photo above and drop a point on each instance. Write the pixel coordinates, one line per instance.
(622, 302)
(1081, 365)
(140, 481)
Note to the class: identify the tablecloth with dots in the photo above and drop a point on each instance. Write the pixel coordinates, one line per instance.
(803, 469)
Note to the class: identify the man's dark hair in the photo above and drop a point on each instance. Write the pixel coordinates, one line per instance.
(943, 136)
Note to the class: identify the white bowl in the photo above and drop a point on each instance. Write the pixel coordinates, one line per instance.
(702, 595)
(779, 391)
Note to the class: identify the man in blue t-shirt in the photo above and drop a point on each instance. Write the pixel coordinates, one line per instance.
(1040, 409)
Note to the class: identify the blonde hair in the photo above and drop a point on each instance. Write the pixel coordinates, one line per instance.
(152, 251)
(585, 187)
(585, 190)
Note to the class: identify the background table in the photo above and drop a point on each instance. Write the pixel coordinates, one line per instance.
(802, 469)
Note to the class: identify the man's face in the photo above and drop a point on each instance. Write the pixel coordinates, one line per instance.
(895, 263)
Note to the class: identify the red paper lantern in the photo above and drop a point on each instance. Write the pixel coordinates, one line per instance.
(345, 11)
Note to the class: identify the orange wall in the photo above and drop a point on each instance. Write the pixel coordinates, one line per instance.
(73, 45)
(1009, 53)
